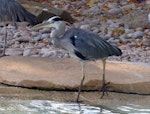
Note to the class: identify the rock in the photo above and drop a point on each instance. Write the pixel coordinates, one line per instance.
(115, 11)
(129, 6)
(27, 52)
(127, 31)
(112, 5)
(46, 41)
(45, 31)
(85, 27)
(129, 35)
(31, 51)
(31, 99)
(65, 74)
(30, 46)
(16, 44)
(35, 55)
(107, 36)
(79, 4)
(44, 52)
(1, 38)
(110, 22)
(44, 36)
(139, 29)
(123, 37)
(137, 34)
(95, 9)
(35, 34)
(110, 40)
(17, 34)
(113, 41)
(44, 11)
(36, 39)
(22, 45)
(95, 31)
(10, 26)
(146, 30)
(47, 52)
(14, 51)
(21, 24)
(113, 26)
(22, 39)
(146, 42)
(40, 45)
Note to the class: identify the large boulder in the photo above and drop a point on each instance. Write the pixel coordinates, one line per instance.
(65, 74)
(44, 11)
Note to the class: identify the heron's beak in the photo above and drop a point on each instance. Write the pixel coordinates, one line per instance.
(42, 25)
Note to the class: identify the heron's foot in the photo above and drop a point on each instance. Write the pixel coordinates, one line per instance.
(72, 101)
(79, 101)
(104, 88)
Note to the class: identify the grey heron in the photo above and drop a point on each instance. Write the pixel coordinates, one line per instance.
(12, 11)
(81, 44)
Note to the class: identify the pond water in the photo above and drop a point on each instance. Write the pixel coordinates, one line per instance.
(18, 106)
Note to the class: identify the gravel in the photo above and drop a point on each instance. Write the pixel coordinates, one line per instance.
(103, 19)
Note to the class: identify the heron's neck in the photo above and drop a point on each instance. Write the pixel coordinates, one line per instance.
(56, 35)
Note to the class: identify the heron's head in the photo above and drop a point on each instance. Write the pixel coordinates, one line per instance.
(53, 22)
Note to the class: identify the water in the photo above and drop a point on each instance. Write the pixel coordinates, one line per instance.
(18, 106)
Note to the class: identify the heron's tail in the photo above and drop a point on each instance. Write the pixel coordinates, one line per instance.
(116, 51)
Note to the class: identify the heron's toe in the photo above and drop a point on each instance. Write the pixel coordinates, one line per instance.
(104, 88)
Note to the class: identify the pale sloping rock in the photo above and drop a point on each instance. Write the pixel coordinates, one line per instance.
(92, 98)
(45, 11)
(65, 74)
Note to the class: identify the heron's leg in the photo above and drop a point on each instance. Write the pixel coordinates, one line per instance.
(5, 41)
(82, 80)
(15, 24)
(104, 84)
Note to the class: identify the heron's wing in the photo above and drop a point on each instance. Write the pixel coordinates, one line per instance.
(89, 46)
(23, 14)
(3, 10)
(11, 10)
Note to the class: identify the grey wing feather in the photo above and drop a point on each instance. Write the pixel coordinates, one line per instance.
(89, 45)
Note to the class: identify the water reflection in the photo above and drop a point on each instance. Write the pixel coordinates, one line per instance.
(134, 109)
(47, 107)
(18, 106)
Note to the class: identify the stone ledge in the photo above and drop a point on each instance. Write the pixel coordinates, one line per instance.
(65, 74)
(92, 98)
